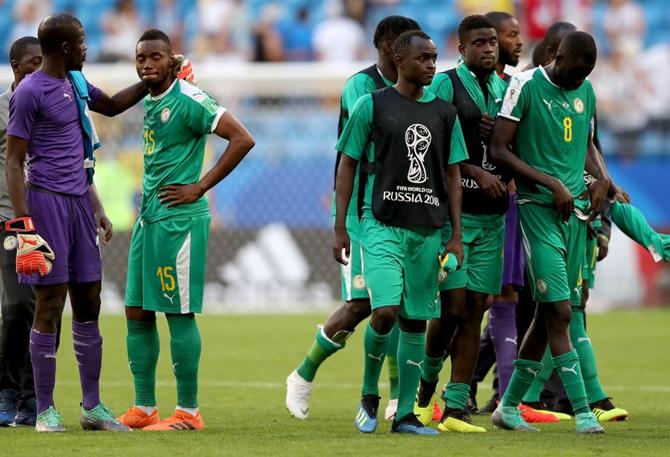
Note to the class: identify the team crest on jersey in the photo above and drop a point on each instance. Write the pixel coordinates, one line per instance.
(579, 105)
(541, 286)
(566, 105)
(165, 115)
(359, 282)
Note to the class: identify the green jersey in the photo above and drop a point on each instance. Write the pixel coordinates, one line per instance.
(360, 84)
(176, 124)
(552, 132)
(356, 141)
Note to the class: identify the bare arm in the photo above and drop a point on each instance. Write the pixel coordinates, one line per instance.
(502, 138)
(491, 185)
(240, 143)
(455, 196)
(16, 155)
(101, 220)
(595, 166)
(120, 101)
(344, 185)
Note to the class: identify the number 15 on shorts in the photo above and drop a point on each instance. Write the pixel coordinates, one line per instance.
(166, 277)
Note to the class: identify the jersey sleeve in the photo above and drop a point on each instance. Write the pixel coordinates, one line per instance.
(516, 99)
(354, 138)
(458, 152)
(357, 86)
(23, 108)
(201, 112)
(93, 93)
(442, 88)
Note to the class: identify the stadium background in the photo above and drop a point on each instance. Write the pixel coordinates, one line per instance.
(280, 67)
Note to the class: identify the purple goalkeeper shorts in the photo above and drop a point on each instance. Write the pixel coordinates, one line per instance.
(67, 223)
(514, 255)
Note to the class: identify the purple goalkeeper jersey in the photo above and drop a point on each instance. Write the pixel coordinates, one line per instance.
(43, 110)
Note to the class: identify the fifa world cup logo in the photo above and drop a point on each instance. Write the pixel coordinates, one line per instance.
(417, 139)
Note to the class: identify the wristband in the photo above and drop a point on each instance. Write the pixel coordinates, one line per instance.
(22, 224)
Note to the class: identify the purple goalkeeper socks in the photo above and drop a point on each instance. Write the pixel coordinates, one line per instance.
(88, 349)
(43, 358)
(502, 326)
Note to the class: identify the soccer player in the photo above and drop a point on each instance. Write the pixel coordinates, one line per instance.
(332, 336)
(17, 392)
(407, 140)
(59, 213)
(546, 118)
(168, 249)
(476, 91)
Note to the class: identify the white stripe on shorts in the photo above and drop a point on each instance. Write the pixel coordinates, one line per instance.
(184, 273)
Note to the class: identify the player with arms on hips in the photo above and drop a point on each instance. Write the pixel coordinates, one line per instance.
(546, 119)
(409, 143)
(58, 213)
(168, 250)
(332, 336)
(476, 91)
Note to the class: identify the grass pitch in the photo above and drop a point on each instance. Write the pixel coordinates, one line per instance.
(247, 358)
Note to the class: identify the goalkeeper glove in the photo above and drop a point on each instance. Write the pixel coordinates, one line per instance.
(183, 69)
(33, 253)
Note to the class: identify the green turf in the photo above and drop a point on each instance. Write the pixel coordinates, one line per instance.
(246, 359)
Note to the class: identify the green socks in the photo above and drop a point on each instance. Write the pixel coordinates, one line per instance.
(522, 377)
(536, 388)
(457, 395)
(375, 346)
(431, 368)
(411, 349)
(143, 348)
(567, 366)
(322, 348)
(185, 346)
(587, 358)
(392, 360)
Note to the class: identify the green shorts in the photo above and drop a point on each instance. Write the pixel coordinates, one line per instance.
(590, 260)
(351, 275)
(401, 266)
(482, 267)
(554, 253)
(166, 265)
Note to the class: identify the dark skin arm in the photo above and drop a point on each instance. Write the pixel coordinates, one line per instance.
(344, 185)
(486, 181)
(502, 138)
(598, 191)
(102, 221)
(455, 195)
(16, 155)
(120, 101)
(486, 127)
(240, 143)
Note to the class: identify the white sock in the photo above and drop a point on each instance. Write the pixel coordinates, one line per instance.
(191, 411)
(146, 409)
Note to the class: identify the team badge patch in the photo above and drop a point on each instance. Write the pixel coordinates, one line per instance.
(359, 282)
(579, 105)
(541, 286)
(10, 243)
(165, 115)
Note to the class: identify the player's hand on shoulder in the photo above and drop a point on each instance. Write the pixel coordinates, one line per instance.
(105, 227)
(341, 246)
(563, 200)
(183, 69)
(176, 194)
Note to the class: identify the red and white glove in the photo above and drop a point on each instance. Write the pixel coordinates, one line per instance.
(33, 253)
(183, 69)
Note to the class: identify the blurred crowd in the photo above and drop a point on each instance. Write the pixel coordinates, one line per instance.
(633, 37)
